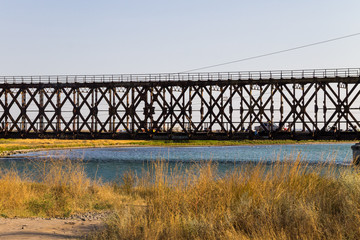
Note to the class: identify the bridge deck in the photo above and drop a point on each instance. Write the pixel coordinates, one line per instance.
(308, 74)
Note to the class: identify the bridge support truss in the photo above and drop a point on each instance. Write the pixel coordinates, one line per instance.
(277, 106)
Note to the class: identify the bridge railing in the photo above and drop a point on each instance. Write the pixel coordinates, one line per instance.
(201, 76)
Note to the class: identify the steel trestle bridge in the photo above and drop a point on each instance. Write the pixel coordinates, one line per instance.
(290, 104)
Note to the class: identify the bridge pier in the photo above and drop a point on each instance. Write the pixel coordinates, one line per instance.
(356, 153)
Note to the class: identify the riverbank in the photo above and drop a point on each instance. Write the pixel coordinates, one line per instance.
(16, 146)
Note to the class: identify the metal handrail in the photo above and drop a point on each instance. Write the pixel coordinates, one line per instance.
(198, 76)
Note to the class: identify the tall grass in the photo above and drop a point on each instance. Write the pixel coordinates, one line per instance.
(283, 200)
(286, 200)
(54, 188)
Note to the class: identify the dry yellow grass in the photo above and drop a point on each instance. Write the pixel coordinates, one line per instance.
(20, 144)
(56, 188)
(282, 201)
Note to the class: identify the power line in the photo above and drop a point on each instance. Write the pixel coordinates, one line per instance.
(273, 53)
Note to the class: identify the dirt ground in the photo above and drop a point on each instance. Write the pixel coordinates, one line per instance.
(36, 228)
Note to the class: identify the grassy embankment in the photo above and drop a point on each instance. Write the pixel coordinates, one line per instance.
(11, 145)
(231, 142)
(281, 201)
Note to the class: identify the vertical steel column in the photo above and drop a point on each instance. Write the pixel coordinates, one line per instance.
(74, 109)
(183, 110)
(347, 105)
(324, 108)
(78, 109)
(251, 109)
(316, 108)
(303, 108)
(150, 110)
(23, 110)
(211, 109)
(114, 110)
(172, 107)
(338, 108)
(92, 110)
(97, 109)
(110, 110)
(242, 120)
(132, 112)
(272, 110)
(202, 107)
(190, 110)
(294, 108)
(282, 107)
(58, 110)
(222, 109)
(41, 110)
(127, 108)
(7, 111)
(230, 99)
(261, 106)
(164, 111)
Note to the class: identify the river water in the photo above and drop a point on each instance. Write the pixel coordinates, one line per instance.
(111, 163)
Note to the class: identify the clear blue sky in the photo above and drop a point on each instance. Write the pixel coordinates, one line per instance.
(90, 37)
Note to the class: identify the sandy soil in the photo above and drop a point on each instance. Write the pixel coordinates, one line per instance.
(36, 228)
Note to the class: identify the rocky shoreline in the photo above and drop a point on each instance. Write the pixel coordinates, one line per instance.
(9, 153)
(88, 216)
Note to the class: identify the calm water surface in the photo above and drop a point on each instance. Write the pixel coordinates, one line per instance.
(111, 163)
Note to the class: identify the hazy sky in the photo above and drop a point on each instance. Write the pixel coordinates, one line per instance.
(95, 37)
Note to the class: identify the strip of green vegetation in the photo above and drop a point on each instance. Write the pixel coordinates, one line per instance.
(230, 142)
(9, 145)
